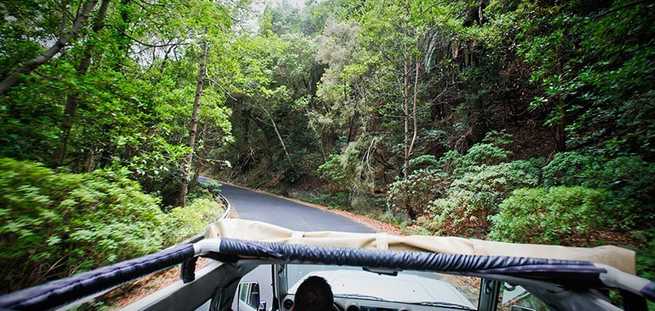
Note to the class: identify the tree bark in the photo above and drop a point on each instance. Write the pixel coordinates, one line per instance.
(405, 119)
(186, 163)
(560, 128)
(73, 98)
(279, 137)
(27, 67)
(415, 128)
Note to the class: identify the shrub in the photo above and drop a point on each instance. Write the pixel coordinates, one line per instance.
(426, 161)
(488, 154)
(184, 222)
(479, 154)
(332, 170)
(498, 138)
(630, 180)
(569, 168)
(353, 168)
(55, 224)
(555, 215)
(476, 195)
(211, 186)
(413, 194)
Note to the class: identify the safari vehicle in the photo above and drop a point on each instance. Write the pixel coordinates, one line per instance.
(257, 266)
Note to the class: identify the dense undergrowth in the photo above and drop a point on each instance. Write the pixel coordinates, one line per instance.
(575, 199)
(54, 224)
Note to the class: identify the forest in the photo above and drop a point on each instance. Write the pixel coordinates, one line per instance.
(514, 120)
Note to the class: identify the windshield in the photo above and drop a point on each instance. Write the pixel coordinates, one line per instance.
(410, 287)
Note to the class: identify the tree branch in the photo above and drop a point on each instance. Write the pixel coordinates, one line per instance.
(12, 78)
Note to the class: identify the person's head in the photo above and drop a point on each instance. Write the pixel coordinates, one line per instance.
(314, 293)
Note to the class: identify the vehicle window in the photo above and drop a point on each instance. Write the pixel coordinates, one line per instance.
(243, 292)
(516, 298)
(253, 299)
(406, 287)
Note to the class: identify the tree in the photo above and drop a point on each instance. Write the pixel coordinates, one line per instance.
(193, 131)
(64, 39)
(82, 68)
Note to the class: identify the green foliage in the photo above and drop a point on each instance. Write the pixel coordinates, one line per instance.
(333, 170)
(426, 161)
(326, 91)
(413, 194)
(496, 138)
(184, 222)
(595, 68)
(352, 168)
(554, 215)
(479, 154)
(133, 101)
(475, 196)
(55, 224)
(629, 179)
(487, 154)
(211, 185)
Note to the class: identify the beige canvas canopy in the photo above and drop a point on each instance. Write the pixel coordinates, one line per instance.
(617, 257)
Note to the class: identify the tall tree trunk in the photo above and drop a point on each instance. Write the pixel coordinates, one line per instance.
(560, 128)
(406, 119)
(409, 144)
(73, 99)
(29, 66)
(279, 137)
(186, 164)
(351, 127)
(414, 125)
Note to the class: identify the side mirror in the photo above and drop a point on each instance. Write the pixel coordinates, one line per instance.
(262, 306)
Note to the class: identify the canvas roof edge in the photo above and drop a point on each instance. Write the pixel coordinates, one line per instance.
(617, 257)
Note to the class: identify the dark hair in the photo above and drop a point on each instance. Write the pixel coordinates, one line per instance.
(314, 294)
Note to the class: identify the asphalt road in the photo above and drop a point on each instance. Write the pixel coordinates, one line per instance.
(274, 210)
(285, 213)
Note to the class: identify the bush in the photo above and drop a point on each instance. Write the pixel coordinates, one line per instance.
(488, 154)
(498, 138)
(413, 194)
(569, 169)
(211, 185)
(556, 215)
(479, 154)
(426, 161)
(476, 195)
(184, 222)
(55, 224)
(630, 180)
(332, 170)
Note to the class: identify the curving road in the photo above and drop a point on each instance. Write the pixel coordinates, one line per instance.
(274, 210)
(285, 213)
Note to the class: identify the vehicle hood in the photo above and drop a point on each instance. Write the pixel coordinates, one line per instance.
(402, 288)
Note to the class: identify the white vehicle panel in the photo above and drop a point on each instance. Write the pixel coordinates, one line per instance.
(403, 287)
